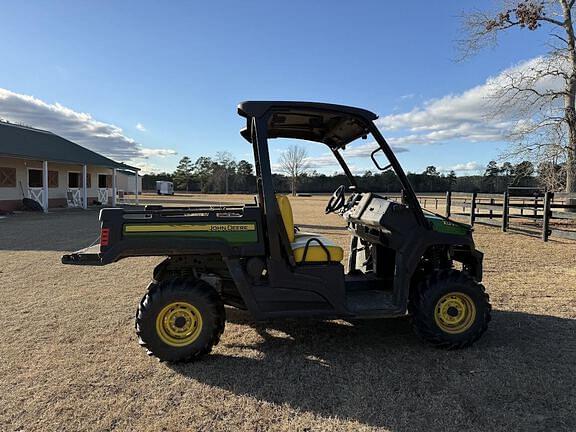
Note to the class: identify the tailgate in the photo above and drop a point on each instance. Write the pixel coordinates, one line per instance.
(87, 256)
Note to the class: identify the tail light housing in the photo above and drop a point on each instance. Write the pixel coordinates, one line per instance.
(104, 237)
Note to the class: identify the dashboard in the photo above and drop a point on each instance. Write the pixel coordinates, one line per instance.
(376, 211)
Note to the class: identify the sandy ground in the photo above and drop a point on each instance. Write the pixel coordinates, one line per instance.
(69, 359)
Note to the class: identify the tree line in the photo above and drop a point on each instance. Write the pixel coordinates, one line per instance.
(223, 174)
(495, 179)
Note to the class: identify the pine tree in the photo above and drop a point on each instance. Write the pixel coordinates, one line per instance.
(183, 173)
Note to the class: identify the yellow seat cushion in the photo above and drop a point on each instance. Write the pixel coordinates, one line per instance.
(315, 253)
(287, 216)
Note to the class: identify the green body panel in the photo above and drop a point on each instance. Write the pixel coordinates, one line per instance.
(232, 232)
(446, 226)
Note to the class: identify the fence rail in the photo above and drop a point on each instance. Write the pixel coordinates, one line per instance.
(549, 215)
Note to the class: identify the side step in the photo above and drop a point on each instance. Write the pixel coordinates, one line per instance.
(372, 303)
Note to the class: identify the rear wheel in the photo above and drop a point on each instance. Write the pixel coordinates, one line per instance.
(180, 319)
(450, 310)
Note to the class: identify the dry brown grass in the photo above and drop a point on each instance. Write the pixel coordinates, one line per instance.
(69, 359)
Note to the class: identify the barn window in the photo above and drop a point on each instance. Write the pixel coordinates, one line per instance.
(75, 180)
(7, 177)
(35, 178)
(52, 179)
(104, 181)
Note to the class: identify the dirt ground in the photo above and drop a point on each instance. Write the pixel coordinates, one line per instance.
(69, 359)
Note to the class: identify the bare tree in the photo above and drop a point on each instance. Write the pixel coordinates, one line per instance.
(293, 163)
(226, 166)
(542, 95)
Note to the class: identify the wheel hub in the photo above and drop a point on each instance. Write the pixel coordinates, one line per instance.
(455, 313)
(452, 311)
(179, 324)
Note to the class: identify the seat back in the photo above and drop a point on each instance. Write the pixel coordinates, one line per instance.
(287, 216)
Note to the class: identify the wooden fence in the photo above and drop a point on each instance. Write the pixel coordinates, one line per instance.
(545, 216)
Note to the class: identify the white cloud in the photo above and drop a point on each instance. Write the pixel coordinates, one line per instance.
(473, 115)
(318, 162)
(364, 150)
(145, 167)
(162, 153)
(81, 128)
(141, 127)
(466, 167)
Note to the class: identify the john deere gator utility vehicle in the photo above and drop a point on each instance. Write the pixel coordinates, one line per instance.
(402, 260)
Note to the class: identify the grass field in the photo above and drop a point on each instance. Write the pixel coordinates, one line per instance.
(69, 359)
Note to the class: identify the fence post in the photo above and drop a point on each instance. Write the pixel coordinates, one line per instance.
(535, 205)
(473, 208)
(491, 204)
(448, 203)
(436, 204)
(548, 197)
(505, 212)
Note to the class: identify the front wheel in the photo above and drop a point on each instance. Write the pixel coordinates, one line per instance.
(180, 320)
(450, 310)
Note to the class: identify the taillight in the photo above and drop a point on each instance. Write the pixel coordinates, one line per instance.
(104, 236)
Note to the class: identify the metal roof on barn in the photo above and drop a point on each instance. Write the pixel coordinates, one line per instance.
(29, 143)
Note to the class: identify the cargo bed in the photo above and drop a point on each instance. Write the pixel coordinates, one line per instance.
(169, 231)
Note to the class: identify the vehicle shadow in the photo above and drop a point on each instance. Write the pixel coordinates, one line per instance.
(519, 376)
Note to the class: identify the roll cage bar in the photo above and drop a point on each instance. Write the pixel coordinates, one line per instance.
(333, 125)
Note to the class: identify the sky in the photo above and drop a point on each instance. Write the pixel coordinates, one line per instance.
(148, 82)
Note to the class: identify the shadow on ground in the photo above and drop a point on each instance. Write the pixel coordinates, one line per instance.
(519, 376)
(321, 227)
(59, 230)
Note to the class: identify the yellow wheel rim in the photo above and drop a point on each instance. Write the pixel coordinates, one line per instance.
(455, 313)
(178, 324)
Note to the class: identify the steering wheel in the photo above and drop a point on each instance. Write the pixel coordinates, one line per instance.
(337, 200)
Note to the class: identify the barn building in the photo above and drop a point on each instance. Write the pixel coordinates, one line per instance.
(54, 171)
(126, 182)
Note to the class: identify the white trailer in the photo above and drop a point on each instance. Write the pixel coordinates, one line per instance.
(164, 188)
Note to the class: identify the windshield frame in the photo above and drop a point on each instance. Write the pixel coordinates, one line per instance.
(408, 192)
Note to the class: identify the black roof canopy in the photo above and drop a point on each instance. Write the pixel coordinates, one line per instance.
(29, 143)
(333, 125)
